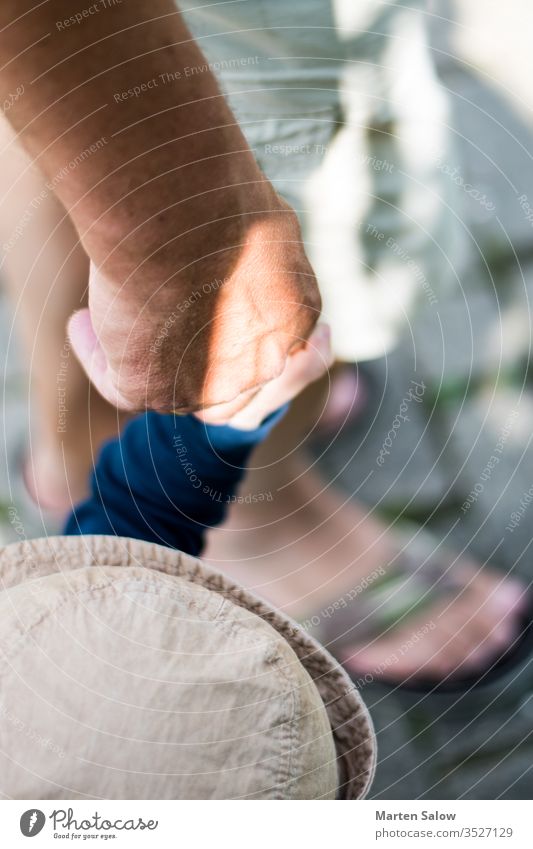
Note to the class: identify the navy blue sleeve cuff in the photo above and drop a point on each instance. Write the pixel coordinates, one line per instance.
(224, 438)
(167, 479)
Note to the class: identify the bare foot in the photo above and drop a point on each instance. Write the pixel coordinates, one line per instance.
(452, 637)
(303, 546)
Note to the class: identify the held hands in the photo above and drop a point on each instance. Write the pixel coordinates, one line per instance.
(188, 333)
(301, 368)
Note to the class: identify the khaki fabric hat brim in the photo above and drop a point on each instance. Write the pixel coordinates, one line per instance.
(101, 615)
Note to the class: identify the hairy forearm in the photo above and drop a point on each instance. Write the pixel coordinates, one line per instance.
(199, 286)
(124, 117)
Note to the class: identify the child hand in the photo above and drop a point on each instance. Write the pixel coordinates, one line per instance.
(301, 368)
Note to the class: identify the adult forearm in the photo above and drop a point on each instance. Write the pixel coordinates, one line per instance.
(122, 113)
(200, 286)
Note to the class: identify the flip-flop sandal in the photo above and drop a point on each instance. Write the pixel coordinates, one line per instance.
(421, 574)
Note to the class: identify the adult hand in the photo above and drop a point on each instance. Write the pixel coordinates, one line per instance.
(208, 332)
(302, 368)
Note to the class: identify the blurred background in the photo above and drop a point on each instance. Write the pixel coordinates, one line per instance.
(473, 354)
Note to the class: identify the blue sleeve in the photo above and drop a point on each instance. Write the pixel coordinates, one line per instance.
(166, 480)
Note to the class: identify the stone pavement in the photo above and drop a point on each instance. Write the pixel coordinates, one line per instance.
(472, 354)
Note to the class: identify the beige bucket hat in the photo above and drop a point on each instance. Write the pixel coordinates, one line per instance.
(129, 670)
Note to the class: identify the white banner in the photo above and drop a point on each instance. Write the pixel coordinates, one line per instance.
(267, 825)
